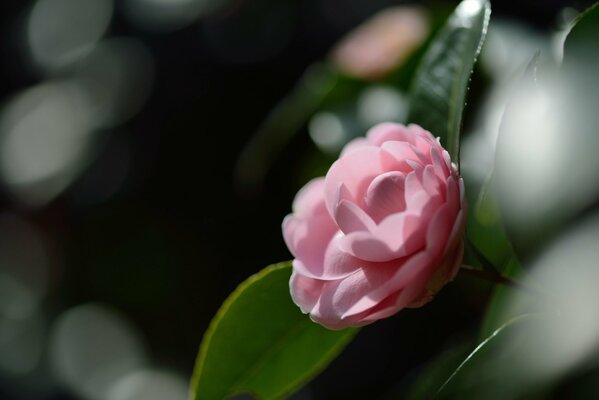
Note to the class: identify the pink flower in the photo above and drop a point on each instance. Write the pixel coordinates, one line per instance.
(381, 232)
(382, 43)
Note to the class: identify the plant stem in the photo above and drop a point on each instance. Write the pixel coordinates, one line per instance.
(495, 277)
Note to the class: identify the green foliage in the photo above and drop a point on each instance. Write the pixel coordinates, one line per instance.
(438, 92)
(524, 237)
(428, 381)
(487, 235)
(481, 374)
(551, 121)
(581, 41)
(260, 343)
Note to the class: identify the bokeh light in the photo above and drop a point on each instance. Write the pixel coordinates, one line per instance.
(44, 141)
(167, 15)
(60, 31)
(509, 47)
(113, 81)
(149, 385)
(379, 103)
(92, 347)
(326, 129)
(23, 285)
(546, 161)
(49, 133)
(564, 330)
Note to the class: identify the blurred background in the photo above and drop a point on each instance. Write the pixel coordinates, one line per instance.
(135, 195)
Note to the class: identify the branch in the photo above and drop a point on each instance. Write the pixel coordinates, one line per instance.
(495, 277)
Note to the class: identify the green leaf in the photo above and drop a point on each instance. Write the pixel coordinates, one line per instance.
(439, 89)
(581, 41)
(260, 343)
(497, 312)
(428, 380)
(482, 372)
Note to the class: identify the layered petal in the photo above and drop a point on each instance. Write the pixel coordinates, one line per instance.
(305, 291)
(309, 230)
(353, 173)
(381, 232)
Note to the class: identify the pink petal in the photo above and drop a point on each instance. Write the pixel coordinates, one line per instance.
(413, 185)
(308, 239)
(402, 151)
(385, 195)
(355, 144)
(397, 236)
(411, 296)
(447, 159)
(438, 232)
(332, 264)
(403, 233)
(354, 171)
(456, 231)
(366, 246)
(352, 295)
(388, 131)
(324, 311)
(417, 130)
(305, 291)
(430, 182)
(423, 143)
(378, 283)
(453, 196)
(338, 264)
(442, 274)
(384, 309)
(351, 218)
(310, 198)
(418, 200)
(441, 168)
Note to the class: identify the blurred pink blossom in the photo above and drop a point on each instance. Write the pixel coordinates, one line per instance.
(382, 43)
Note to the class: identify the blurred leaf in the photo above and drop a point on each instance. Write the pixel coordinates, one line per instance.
(439, 88)
(432, 376)
(549, 124)
(523, 237)
(581, 42)
(496, 314)
(286, 119)
(486, 234)
(475, 375)
(260, 343)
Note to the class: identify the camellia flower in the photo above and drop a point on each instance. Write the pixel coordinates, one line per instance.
(381, 232)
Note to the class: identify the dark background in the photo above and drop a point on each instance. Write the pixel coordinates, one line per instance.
(175, 239)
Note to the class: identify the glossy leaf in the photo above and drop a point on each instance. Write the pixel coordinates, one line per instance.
(260, 343)
(439, 90)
